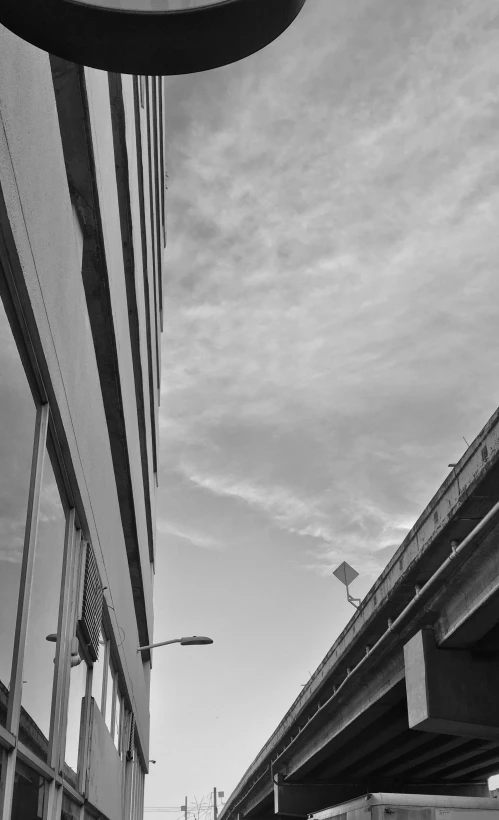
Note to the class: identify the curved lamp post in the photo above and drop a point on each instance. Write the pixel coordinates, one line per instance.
(154, 37)
(192, 640)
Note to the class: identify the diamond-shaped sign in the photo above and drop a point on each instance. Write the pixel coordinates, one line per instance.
(345, 573)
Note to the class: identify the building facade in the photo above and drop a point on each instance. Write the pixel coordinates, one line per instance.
(82, 236)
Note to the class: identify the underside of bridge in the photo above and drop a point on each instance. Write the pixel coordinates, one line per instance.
(407, 699)
(375, 748)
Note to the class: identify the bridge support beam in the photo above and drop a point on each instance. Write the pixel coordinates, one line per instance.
(301, 799)
(451, 691)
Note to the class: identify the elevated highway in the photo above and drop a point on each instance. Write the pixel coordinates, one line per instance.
(407, 698)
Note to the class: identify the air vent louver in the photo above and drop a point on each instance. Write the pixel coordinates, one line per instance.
(91, 614)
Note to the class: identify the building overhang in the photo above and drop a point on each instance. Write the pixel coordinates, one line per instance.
(149, 36)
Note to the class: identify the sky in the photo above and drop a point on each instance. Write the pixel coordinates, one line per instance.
(330, 335)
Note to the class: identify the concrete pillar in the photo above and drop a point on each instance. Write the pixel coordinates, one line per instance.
(451, 691)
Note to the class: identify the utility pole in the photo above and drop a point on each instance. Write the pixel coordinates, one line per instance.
(215, 810)
(184, 808)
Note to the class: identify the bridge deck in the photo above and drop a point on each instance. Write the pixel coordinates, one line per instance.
(367, 718)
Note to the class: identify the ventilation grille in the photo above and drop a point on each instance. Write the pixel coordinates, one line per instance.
(91, 611)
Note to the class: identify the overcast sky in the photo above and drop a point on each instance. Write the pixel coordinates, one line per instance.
(330, 337)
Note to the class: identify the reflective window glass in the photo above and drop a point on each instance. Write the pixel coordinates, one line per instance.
(132, 788)
(140, 789)
(118, 719)
(17, 425)
(98, 672)
(77, 687)
(43, 617)
(29, 794)
(108, 713)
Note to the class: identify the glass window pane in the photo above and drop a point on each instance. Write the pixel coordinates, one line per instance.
(132, 788)
(108, 714)
(137, 789)
(43, 618)
(98, 672)
(118, 719)
(17, 425)
(77, 686)
(29, 794)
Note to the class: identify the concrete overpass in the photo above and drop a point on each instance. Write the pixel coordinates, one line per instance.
(407, 698)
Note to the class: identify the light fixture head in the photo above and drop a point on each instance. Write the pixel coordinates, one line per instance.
(195, 640)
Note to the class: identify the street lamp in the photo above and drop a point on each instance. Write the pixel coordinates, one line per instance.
(192, 640)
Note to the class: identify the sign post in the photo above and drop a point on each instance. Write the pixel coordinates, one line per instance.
(346, 574)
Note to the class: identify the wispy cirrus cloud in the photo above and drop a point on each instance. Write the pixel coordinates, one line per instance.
(345, 528)
(189, 534)
(279, 503)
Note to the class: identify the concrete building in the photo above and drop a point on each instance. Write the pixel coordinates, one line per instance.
(82, 236)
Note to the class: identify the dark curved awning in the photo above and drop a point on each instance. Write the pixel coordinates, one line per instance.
(147, 36)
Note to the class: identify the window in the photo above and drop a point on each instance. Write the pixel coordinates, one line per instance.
(77, 667)
(105, 689)
(98, 671)
(135, 789)
(110, 697)
(131, 813)
(118, 720)
(139, 791)
(77, 690)
(135, 805)
(17, 426)
(43, 619)
(29, 794)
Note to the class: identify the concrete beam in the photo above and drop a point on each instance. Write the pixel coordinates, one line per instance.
(384, 733)
(450, 691)
(400, 757)
(412, 763)
(374, 695)
(473, 608)
(301, 799)
(440, 768)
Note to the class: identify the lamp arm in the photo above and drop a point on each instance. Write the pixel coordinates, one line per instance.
(163, 643)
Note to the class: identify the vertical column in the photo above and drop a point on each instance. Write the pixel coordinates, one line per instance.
(14, 708)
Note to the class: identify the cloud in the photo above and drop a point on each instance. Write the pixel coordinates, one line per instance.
(11, 540)
(284, 508)
(330, 298)
(346, 528)
(196, 539)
